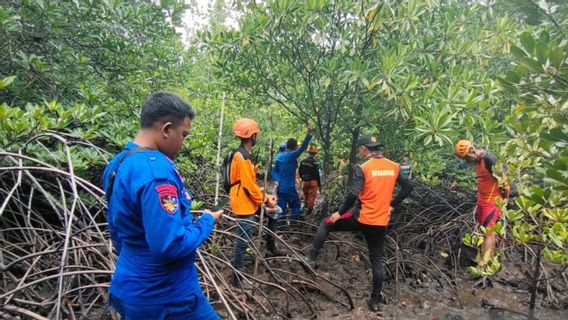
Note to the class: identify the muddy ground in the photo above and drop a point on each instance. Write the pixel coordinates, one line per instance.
(425, 259)
(418, 297)
(426, 270)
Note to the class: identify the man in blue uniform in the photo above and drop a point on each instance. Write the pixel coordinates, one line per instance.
(284, 174)
(151, 227)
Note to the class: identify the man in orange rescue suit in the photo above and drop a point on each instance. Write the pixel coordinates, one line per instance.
(309, 172)
(247, 197)
(367, 208)
(488, 193)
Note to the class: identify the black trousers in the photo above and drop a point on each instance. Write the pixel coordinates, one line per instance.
(374, 235)
(270, 240)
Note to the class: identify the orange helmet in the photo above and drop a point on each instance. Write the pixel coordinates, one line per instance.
(313, 148)
(245, 128)
(462, 148)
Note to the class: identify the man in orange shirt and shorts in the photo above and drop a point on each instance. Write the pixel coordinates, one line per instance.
(488, 193)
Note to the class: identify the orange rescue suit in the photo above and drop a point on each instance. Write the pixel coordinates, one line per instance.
(381, 176)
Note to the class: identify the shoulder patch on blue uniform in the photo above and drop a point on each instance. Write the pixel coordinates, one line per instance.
(168, 197)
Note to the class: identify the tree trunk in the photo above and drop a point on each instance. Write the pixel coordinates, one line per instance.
(535, 280)
(326, 146)
(353, 153)
(326, 170)
(270, 161)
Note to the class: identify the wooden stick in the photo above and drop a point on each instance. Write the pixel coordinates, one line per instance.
(217, 174)
(262, 211)
(24, 312)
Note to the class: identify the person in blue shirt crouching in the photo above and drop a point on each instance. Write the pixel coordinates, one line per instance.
(152, 229)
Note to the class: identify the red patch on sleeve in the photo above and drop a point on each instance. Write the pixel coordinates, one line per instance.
(168, 197)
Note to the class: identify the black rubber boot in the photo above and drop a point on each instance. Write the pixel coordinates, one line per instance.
(310, 259)
(374, 302)
(272, 250)
(313, 256)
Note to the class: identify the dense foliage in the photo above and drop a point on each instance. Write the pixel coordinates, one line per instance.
(418, 74)
(537, 151)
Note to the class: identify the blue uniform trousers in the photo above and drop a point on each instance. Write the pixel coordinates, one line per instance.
(289, 198)
(195, 307)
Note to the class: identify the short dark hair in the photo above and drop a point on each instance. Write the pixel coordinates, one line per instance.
(165, 106)
(291, 143)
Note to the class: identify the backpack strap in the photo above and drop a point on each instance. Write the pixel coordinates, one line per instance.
(243, 151)
(246, 156)
(110, 186)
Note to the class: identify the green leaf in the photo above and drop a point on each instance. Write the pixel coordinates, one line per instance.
(560, 177)
(6, 82)
(555, 256)
(528, 42)
(531, 64)
(555, 135)
(514, 215)
(557, 57)
(555, 240)
(518, 52)
(428, 140)
(544, 37)
(40, 4)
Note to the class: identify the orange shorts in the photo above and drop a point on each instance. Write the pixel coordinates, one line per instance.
(487, 213)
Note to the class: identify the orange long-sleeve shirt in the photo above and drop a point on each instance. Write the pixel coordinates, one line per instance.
(246, 196)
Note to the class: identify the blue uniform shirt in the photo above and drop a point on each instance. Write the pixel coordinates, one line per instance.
(152, 229)
(285, 164)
